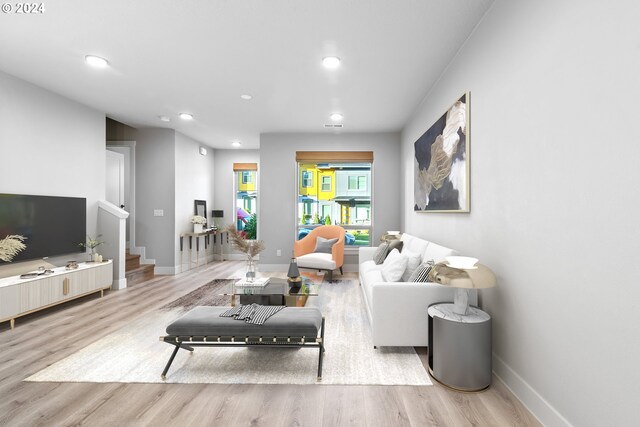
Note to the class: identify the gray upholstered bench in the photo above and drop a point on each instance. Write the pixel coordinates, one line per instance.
(203, 327)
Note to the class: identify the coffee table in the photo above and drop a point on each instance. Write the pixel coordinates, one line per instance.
(276, 292)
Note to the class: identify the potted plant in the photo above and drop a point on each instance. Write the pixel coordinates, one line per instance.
(92, 243)
(198, 222)
(250, 248)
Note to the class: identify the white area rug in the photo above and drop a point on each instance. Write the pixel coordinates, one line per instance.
(134, 354)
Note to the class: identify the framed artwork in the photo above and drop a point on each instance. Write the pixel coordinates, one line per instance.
(441, 162)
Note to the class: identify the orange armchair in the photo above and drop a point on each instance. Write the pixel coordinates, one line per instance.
(304, 248)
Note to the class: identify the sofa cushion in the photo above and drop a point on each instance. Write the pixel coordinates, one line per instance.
(381, 253)
(413, 244)
(317, 260)
(421, 274)
(393, 267)
(437, 253)
(368, 266)
(324, 245)
(413, 261)
(374, 276)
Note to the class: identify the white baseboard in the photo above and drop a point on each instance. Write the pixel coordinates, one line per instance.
(167, 271)
(535, 403)
(119, 284)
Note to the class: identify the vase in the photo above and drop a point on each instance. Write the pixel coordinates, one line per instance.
(197, 228)
(250, 275)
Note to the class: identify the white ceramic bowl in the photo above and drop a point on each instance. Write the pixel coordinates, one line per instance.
(393, 232)
(461, 261)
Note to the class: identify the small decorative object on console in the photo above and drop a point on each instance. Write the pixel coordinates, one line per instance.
(198, 222)
(92, 243)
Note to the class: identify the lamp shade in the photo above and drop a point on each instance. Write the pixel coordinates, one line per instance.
(478, 277)
(217, 214)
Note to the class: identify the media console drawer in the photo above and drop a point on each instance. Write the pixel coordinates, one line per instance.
(23, 296)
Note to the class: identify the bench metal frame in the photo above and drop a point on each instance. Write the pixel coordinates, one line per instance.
(188, 342)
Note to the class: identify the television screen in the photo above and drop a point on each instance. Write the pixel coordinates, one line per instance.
(53, 226)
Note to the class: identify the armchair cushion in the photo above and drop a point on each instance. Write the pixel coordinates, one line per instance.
(324, 245)
(317, 260)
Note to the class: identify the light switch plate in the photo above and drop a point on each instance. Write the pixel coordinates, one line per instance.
(158, 212)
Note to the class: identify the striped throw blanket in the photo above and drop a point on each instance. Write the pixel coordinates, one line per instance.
(253, 313)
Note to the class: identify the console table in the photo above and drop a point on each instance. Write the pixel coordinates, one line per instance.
(218, 240)
(23, 296)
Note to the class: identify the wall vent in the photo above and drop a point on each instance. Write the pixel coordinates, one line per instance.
(333, 126)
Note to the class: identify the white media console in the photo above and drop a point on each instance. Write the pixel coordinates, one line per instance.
(23, 296)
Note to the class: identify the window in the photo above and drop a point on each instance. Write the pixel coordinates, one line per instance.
(357, 182)
(326, 183)
(246, 198)
(342, 196)
(307, 179)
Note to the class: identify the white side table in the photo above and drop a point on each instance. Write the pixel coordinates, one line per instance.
(459, 347)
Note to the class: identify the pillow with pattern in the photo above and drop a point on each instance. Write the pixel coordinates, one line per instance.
(421, 274)
(381, 253)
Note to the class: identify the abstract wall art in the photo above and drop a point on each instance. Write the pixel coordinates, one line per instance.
(441, 162)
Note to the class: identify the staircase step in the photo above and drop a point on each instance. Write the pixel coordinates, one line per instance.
(132, 262)
(140, 274)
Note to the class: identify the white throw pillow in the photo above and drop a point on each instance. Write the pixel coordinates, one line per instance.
(414, 259)
(393, 266)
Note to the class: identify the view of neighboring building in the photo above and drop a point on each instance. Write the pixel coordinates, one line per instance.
(336, 193)
(246, 195)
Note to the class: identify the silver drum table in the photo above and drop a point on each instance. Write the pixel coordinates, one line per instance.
(460, 347)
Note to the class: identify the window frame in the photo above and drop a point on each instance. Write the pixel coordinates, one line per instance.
(352, 249)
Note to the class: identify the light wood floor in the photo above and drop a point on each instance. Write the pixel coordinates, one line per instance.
(46, 337)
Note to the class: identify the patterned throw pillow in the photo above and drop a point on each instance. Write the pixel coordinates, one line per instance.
(421, 274)
(381, 253)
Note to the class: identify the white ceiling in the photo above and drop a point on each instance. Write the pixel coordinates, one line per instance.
(197, 56)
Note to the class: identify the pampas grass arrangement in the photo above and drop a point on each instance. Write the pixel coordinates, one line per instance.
(249, 247)
(10, 246)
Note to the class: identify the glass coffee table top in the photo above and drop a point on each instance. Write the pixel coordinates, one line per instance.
(274, 287)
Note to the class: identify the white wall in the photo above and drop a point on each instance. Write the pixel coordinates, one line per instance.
(554, 147)
(155, 189)
(194, 180)
(277, 219)
(50, 145)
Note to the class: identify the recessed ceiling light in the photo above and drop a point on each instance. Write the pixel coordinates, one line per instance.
(164, 118)
(331, 62)
(236, 143)
(186, 116)
(336, 117)
(246, 96)
(96, 61)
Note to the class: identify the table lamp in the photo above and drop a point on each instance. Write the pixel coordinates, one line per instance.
(215, 214)
(462, 273)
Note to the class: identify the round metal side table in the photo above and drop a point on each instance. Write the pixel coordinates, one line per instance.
(460, 347)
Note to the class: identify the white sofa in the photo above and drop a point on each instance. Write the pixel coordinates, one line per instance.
(398, 310)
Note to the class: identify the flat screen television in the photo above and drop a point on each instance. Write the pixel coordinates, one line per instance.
(52, 225)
